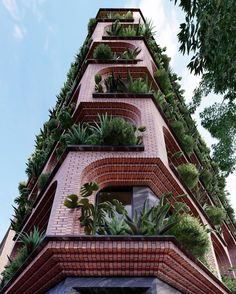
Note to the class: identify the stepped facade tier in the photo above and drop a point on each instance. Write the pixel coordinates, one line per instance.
(121, 84)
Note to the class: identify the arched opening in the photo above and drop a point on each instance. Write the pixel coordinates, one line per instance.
(116, 47)
(221, 257)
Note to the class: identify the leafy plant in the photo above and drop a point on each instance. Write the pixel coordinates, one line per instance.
(217, 215)
(78, 134)
(114, 84)
(189, 174)
(31, 240)
(229, 283)
(98, 84)
(14, 265)
(103, 52)
(206, 177)
(93, 216)
(130, 54)
(115, 29)
(113, 131)
(65, 118)
(156, 220)
(91, 25)
(138, 85)
(192, 235)
(163, 80)
(42, 180)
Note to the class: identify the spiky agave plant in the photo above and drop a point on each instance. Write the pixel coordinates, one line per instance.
(32, 239)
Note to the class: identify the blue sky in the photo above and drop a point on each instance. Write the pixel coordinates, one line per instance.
(38, 41)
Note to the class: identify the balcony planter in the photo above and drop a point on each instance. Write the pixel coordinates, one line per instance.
(113, 61)
(114, 19)
(127, 148)
(122, 38)
(123, 95)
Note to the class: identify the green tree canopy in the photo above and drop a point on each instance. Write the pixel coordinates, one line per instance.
(209, 35)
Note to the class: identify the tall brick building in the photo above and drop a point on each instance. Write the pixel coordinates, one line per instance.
(68, 261)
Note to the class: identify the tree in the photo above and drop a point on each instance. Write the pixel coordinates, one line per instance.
(209, 33)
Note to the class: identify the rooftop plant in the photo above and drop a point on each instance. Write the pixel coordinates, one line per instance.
(189, 174)
(120, 16)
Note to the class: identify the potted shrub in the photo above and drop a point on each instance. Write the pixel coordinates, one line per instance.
(216, 214)
(189, 174)
(103, 52)
(192, 235)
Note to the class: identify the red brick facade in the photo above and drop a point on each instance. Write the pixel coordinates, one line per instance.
(57, 259)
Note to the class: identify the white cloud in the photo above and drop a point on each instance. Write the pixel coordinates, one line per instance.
(165, 23)
(12, 8)
(18, 33)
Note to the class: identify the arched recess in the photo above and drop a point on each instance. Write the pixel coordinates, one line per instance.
(88, 111)
(231, 244)
(117, 47)
(221, 257)
(135, 71)
(150, 172)
(172, 149)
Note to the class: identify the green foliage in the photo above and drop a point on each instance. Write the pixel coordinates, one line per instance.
(35, 164)
(187, 142)
(31, 240)
(219, 120)
(130, 54)
(206, 177)
(42, 180)
(113, 131)
(230, 283)
(116, 226)
(156, 220)
(216, 214)
(88, 189)
(208, 34)
(78, 134)
(103, 52)
(65, 118)
(115, 84)
(98, 85)
(91, 25)
(138, 85)
(122, 16)
(115, 29)
(71, 201)
(192, 235)
(159, 97)
(189, 174)
(163, 80)
(14, 265)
